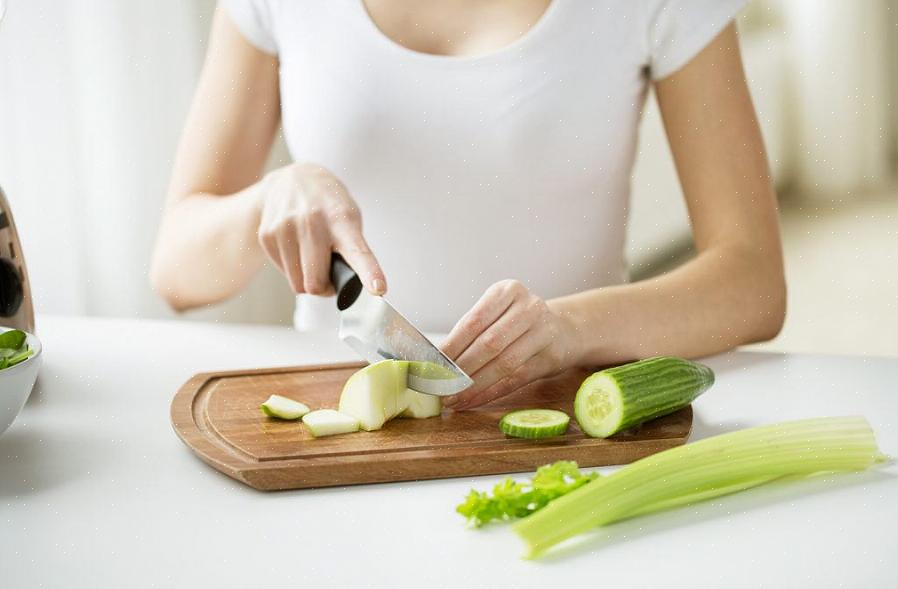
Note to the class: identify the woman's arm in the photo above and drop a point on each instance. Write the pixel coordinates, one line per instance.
(207, 247)
(733, 292)
(221, 220)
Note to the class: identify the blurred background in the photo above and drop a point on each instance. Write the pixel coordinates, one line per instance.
(93, 94)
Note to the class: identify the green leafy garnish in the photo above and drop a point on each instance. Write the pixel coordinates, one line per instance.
(12, 339)
(13, 348)
(512, 500)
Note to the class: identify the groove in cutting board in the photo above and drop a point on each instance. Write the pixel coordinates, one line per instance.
(217, 415)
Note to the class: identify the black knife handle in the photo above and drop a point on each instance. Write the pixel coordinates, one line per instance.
(346, 282)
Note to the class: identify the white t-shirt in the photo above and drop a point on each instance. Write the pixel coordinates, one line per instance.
(469, 170)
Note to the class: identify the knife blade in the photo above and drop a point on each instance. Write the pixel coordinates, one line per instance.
(377, 331)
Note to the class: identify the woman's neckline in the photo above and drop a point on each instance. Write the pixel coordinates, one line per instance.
(527, 38)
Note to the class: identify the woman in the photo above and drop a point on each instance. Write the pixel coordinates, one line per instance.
(488, 147)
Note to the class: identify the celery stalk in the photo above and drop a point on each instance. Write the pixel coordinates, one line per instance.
(690, 498)
(701, 470)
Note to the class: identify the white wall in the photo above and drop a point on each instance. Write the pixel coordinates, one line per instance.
(839, 52)
(892, 23)
(93, 94)
(819, 73)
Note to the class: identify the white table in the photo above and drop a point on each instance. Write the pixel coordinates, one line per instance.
(97, 491)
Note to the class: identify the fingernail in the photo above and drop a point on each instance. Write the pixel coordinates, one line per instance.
(379, 286)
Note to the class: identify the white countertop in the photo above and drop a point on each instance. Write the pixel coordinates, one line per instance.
(96, 490)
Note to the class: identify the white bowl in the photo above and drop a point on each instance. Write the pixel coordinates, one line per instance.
(16, 383)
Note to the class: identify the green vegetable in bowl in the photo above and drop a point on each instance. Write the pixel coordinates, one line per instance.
(13, 348)
(512, 500)
(12, 339)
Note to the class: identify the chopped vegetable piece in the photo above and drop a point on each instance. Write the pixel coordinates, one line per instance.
(708, 468)
(376, 393)
(430, 370)
(534, 423)
(283, 408)
(614, 399)
(421, 405)
(512, 500)
(327, 422)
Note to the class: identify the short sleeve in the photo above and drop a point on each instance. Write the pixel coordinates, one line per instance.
(679, 29)
(254, 20)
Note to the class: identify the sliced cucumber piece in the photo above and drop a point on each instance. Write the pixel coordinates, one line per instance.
(421, 405)
(617, 398)
(534, 423)
(283, 408)
(327, 422)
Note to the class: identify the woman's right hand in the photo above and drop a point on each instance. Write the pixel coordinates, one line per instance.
(306, 214)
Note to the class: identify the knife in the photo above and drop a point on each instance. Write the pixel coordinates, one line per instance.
(376, 331)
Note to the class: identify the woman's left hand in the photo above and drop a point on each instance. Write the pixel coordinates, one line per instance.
(509, 339)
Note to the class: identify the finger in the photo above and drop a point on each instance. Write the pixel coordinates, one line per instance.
(269, 242)
(288, 248)
(516, 320)
(507, 363)
(516, 355)
(491, 305)
(349, 242)
(315, 253)
(531, 371)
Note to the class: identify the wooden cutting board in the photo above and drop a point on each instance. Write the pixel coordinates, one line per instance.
(217, 415)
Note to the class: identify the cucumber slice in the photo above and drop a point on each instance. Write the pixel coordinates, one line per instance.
(327, 422)
(421, 405)
(283, 408)
(617, 398)
(534, 423)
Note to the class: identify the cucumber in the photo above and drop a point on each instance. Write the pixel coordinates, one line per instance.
(327, 422)
(534, 423)
(283, 408)
(614, 399)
